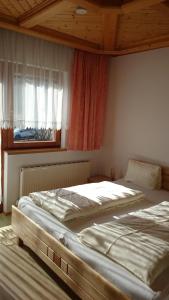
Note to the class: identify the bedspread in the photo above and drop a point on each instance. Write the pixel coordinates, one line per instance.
(139, 242)
(78, 201)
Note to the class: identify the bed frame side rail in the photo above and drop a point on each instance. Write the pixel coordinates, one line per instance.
(78, 275)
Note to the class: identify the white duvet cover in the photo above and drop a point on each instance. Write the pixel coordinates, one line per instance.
(82, 200)
(139, 242)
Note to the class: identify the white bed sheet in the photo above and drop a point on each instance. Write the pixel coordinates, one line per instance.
(66, 233)
(154, 196)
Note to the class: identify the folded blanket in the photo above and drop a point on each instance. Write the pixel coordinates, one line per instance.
(83, 200)
(139, 244)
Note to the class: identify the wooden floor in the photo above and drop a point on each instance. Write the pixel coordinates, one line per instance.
(24, 276)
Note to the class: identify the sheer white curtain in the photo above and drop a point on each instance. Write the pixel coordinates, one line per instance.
(34, 83)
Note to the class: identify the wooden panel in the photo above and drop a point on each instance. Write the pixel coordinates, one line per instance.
(7, 18)
(84, 32)
(36, 16)
(4, 9)
(29, 232)
(64, 266)
(85, 284)
(88, 27)
(51, 253)
(57, 260)
(90, 5)
(112, 6)
(43, 247)
(138, 5)
(15, 8)
(83, 294)
(69, 38)
(146, 45)
(110, 31)
(144, 25)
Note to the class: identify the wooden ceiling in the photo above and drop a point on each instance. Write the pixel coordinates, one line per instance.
(113, 27)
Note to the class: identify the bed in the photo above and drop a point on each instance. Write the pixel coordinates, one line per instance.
(90, 274)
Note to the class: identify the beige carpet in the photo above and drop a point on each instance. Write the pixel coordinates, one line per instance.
(5, 220)
(23, 276)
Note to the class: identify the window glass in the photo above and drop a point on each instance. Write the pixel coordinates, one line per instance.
(33, 134)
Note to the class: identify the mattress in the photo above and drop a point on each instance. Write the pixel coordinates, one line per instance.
(67, 234)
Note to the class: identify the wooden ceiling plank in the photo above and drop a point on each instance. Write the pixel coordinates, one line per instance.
(136, 5)
(16, 6)
(25, 5)
(110, 31)
(4, 10)
(151, 41)
(59, 39)
(7, 18)
(143, 48)
(111, 9)
(90, 29)
(96, 7)
(92, 6)
(39, 13)
(136, 27)
(12, 10)
(145, 45)
(128, 7)
(65, 36)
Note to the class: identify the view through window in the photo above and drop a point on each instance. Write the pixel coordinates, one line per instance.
(33, 134)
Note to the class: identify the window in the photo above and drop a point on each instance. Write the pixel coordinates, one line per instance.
(35, 77)
(37, 101)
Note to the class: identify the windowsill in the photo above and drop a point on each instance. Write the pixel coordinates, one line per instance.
(32, 142)
(29, 151)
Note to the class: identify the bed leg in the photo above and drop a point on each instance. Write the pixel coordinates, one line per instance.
(19, 242)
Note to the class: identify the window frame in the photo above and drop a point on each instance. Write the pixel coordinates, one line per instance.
(12, 144)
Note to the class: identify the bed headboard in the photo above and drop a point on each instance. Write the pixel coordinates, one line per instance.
(165, 178)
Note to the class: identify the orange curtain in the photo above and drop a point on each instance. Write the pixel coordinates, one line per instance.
(89, 93)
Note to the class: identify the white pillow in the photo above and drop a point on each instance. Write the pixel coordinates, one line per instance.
(144, 174)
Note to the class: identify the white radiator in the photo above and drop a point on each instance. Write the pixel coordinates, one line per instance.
(47, 177)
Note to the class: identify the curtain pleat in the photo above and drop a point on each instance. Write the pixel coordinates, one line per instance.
(88, 101)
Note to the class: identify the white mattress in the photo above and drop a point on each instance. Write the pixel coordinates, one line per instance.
(66, 233)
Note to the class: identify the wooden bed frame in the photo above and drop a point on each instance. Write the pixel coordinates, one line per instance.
(78, 275)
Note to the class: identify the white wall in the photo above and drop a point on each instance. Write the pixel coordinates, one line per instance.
(138, 110)
(13, 163)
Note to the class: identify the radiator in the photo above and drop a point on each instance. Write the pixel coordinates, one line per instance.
(47, 177)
